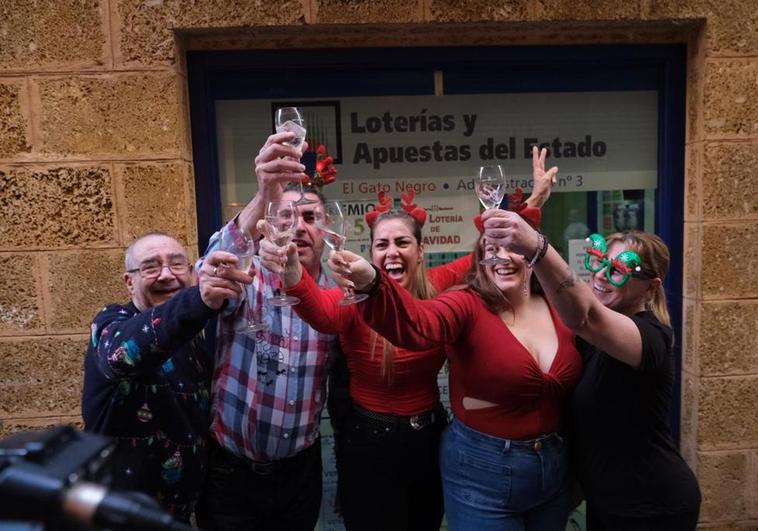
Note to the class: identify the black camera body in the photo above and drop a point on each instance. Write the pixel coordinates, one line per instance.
(37, 467)
(57, 480)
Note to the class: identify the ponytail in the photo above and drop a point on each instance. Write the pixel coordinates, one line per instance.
(657, 305)
(655, 258)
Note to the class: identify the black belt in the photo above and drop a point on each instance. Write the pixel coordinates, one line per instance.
(265, 468)
(417, 422)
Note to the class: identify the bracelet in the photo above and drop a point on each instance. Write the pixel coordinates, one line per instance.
(529, 260)
(373, 284)
(539, 254)
(543, 251)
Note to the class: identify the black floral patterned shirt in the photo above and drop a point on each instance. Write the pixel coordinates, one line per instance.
(146, 381)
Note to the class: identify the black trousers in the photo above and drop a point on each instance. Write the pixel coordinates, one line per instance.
(285, 496)
(599, 521)
(389, 475)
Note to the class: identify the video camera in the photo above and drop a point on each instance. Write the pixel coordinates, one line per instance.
(56, 480)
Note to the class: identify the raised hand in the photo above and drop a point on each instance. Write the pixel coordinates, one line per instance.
(277, 164)
(509, 230)
(350, 270)
(281, 260)
(543, 180)
(219, 279)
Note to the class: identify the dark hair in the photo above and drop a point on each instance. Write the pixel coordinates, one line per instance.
(295, 187)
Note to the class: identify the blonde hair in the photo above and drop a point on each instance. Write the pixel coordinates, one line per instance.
(655, 258)
(419, 287)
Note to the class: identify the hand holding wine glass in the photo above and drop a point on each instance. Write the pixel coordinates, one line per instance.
(240, 243)
(490, 186)
(281, 218)
(330, 219)
(218, 282)
(290, 119)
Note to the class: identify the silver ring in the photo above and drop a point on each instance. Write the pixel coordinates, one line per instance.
(215, 271)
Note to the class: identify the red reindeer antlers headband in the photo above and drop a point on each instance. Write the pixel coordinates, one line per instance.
(415, 211)
(385, 203)
(516, 203)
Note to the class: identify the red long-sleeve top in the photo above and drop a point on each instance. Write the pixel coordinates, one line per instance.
(487, 362)
(413, 388)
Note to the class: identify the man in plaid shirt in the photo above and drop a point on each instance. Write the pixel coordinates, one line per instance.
(269, 386)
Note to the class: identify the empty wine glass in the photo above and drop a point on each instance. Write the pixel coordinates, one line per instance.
(291, 120)
(241, 244)
(490, 187)
(281, 217)
(330, 219)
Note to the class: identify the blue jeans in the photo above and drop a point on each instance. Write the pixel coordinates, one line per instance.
(492, 484)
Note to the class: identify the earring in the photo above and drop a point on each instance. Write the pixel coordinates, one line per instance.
(524, 289)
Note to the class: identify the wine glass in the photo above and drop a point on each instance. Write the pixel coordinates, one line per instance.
(490, 187)
(330, 220)
(281, 217)
(241, 244)
(290, 119)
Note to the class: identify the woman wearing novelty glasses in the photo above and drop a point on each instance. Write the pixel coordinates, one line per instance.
(629, 468)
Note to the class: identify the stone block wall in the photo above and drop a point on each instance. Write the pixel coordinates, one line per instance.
(721, 226)
(95, 149)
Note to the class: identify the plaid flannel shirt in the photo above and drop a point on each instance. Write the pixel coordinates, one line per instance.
(269, 390)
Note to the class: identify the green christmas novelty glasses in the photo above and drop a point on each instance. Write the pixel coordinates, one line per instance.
(619, 270)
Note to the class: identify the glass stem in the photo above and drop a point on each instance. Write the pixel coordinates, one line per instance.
(347, 291)
(251, 309)
(280, 289)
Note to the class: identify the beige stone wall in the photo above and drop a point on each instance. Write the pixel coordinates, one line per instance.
(95, 149)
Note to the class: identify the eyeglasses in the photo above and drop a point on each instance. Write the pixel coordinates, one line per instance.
(154, 269)
(618, 270)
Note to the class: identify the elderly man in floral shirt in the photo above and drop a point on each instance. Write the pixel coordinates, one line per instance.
(147, 372)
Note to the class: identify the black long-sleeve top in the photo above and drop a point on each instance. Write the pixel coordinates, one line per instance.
(146, 383)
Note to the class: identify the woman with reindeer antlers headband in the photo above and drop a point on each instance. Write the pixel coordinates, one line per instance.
(387, 449)
(513, 365)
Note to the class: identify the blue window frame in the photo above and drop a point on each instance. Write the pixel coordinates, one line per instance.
(313, 73)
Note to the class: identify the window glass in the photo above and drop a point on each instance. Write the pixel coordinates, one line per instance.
(605, 144)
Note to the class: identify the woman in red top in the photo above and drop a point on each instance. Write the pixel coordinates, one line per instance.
(387, 446)
(626, 460)
(512, 366)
